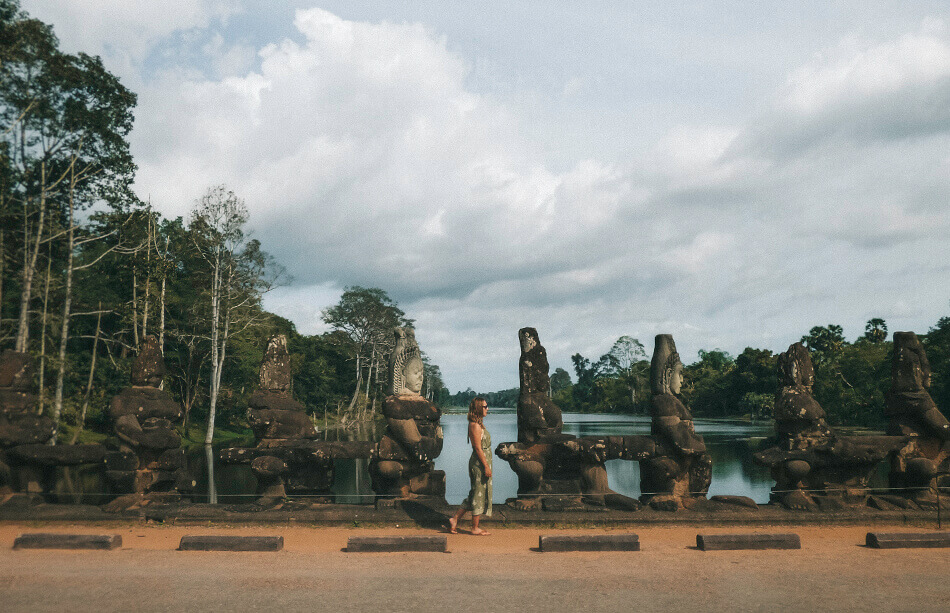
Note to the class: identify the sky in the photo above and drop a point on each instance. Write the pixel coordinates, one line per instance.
(728, 172)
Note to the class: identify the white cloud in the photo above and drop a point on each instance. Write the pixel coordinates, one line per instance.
(367, 159)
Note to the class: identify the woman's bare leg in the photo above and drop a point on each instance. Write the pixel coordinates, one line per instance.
(454, 521)
(475, 529)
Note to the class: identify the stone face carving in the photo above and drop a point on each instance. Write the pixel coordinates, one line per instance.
(811, 463)
(684, 471)
(911, 411)
(150, 461)
(404, 466)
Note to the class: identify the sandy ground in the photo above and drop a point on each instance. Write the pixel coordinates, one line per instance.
(504, 571)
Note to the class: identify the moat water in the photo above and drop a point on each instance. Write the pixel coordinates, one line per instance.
(727, 441)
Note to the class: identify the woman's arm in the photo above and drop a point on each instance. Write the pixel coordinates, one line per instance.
(475, 435)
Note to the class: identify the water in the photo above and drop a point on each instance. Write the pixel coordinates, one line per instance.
(733, 469)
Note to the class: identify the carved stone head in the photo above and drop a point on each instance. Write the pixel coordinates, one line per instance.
(910, 369)
(148, 369)
(275, 373)
(533, 364)
(795, 367)
(405, 364)
(666, 369)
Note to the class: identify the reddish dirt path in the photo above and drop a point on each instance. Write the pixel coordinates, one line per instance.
(833, 571)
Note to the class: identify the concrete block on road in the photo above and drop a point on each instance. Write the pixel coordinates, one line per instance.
(724, 542)
(590, 542)
(41, 540)
(231, 543)
(397, 543)
(903, 540)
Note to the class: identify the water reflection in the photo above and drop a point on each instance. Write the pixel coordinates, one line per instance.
(727, 442)
(733, 469)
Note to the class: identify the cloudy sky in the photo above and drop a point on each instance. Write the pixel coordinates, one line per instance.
(729, 172)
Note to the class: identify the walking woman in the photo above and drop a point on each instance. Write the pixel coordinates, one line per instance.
(479, 470)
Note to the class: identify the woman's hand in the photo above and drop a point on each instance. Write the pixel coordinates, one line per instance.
(488, 472)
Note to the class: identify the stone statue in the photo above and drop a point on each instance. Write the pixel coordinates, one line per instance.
(684, 472)
(548, 469)
(538, 417)
(287, 458)
(27, 461)
(150, 464)
(912, 412)
(413, 439)
(813, 465)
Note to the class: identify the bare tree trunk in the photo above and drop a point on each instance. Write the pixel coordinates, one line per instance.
(359, 384)
(148, 277)
(215, 333)
(92, 372)
(30, 255)
(135, 311)
(42, 374)
(67, 304)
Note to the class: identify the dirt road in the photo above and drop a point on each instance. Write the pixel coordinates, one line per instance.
(833, 571)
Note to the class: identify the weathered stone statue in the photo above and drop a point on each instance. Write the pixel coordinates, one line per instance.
(547, 470)
(287, 459)
(150, 464)
(683, 473)
(812, 464)
(27, 460)
(912, 412)
(404, 467)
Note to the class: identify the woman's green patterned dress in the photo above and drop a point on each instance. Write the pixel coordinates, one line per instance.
(479, 498)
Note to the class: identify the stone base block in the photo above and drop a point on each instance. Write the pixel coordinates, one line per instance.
(721, 542)
(591, 542)
(231, 543)
(397, 543)
(903, 540)
(42, 540)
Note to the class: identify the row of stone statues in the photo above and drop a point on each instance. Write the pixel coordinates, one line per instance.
(813, 465)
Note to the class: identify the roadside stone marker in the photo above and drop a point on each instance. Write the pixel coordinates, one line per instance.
(231, 543)
(723, 542)
(42, 540)
(902, 540)
(590, 542)
(397, 543)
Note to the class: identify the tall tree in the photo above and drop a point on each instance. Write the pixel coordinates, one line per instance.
(238, 274)
(64, 122)
(366, 318)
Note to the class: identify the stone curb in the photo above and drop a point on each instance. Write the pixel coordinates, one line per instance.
(397, 543)
(725, 542)
(903, 540)
(231, 543)
(47, 540)
(589, 542)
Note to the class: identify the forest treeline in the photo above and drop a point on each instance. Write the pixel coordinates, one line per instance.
(851, 378)
(88, 270)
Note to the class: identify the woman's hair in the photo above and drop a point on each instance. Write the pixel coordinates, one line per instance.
(475, 412)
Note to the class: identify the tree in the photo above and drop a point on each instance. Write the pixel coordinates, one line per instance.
(875, 330)
(560, 380)
(824, 341)
(64, 121)
(366, 318)
(238, 272)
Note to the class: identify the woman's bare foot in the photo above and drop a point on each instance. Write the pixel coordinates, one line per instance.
(453, 526)
(480, 532)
